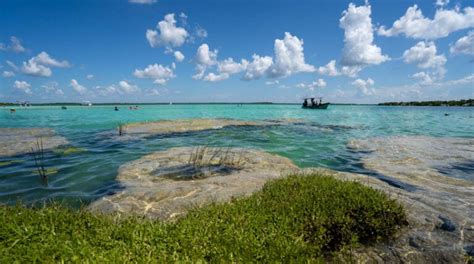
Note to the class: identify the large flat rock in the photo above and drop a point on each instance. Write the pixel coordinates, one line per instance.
(433, 178)
(17, 141)
(164, 185)
(163, 127)
(182, 125)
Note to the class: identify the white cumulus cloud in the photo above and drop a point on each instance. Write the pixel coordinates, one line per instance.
(77, 87)
(40, 65)
(424, 55)
(123, 87)
(52, 88)
(229, 66)
(359, 50)
(365, 86)
(225, 69)
(464, 45)
(15, 45)
(153, 92)
(159, 73)
(329, 69)
(258, 67)
(167, 33)
(32, 68)
(212, 77)
(319, 83)
(442, 3)
(128, 88)
(8, 74)
(179, 56)
(44, 59)
(204, 58)
(272, 82)
(423, 78)
(414, 24)
(200, 32)
(23, 86)
(289, 57)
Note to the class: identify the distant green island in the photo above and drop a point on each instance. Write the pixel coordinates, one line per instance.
(7, 104)
(467, 102)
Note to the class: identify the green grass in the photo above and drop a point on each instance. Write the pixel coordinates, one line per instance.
(296, 218)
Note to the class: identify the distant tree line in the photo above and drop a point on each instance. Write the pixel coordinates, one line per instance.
(467, 102)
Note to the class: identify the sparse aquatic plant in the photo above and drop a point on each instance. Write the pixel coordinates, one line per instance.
(38, 154)
(231, 158)
(203, 156)
(121, 129)
(196, 157)
(206, 161)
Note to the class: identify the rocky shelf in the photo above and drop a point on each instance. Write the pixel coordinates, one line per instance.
(166, 184)
(17, 141)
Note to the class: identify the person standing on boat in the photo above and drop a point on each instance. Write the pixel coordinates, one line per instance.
(312, 102)
(305, 103)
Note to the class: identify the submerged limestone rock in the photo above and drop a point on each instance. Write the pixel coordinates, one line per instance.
(179, 126)
(166, 184)
(16, 141)
(420, 158)
(145, 129)
(420, 172)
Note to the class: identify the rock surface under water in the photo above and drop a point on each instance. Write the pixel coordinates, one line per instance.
(145, 129)
(164, 185)
(16, 141)
(440, 208)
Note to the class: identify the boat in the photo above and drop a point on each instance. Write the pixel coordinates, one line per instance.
(86, 103)
(24, 104)
(63, 107)
(314, 103)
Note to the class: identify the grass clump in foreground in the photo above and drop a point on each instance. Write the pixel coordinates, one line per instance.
(295, 218)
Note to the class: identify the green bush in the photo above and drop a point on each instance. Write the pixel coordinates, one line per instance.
(290, 219)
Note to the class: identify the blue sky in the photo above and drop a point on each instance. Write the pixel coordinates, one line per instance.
(235, 51)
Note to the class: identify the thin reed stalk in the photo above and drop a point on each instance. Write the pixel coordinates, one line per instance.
(121, 129)
(203, 156)
(38, 155)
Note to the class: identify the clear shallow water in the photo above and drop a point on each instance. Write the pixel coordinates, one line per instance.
(321, 141)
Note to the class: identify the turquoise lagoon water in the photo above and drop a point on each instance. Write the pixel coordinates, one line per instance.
(319, 141)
